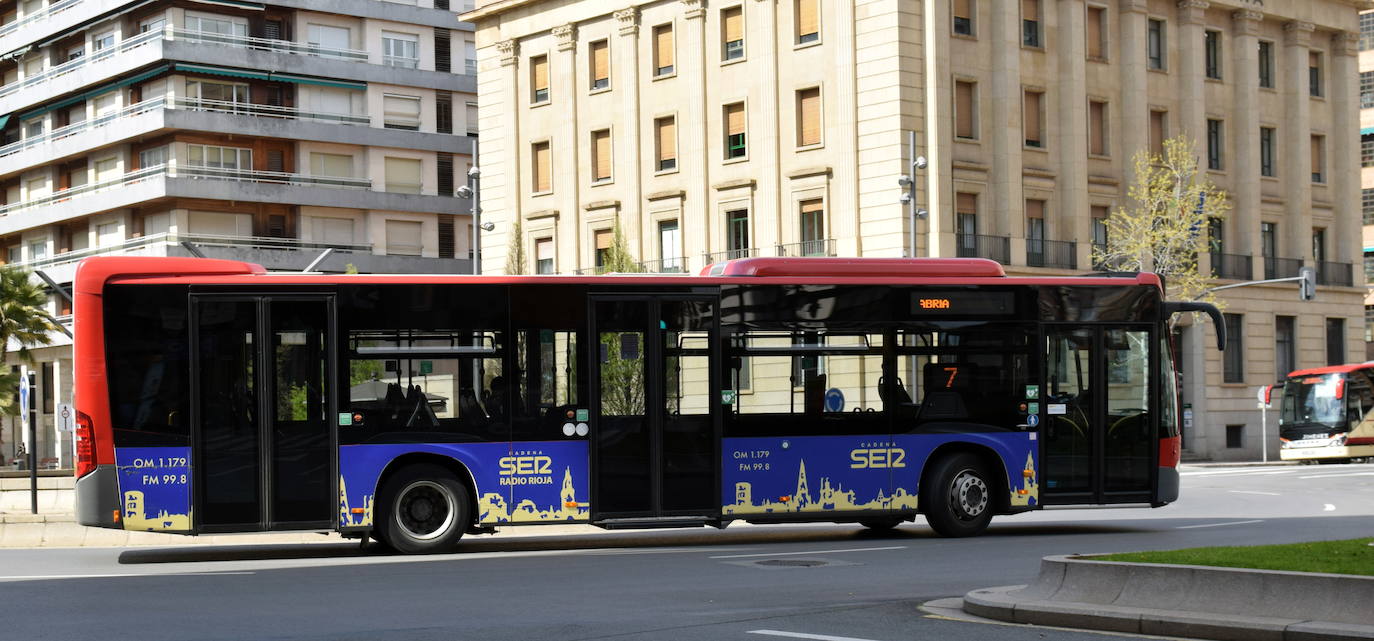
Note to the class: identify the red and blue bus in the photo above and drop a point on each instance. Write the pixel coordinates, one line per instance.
(214, 396)
(1326, 414)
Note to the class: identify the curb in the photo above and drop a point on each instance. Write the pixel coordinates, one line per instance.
(1185, 600)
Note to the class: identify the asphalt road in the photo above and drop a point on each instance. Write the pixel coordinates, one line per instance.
(746, 582)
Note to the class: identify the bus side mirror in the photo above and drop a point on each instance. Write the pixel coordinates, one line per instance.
(1179, 307)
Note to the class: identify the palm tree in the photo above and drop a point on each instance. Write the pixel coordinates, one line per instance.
(23, 320)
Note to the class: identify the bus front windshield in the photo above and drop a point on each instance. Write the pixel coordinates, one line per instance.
(1314, 400)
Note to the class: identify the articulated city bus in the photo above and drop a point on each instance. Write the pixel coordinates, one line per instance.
(1326, 414)
(215, 397)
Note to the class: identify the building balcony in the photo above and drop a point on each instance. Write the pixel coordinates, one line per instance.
(180, 45)
(1058, 254)
(996, 248)
(212, 183)
(277, 254)
(1336, 274)
(710, 258)
(240, 119)
(818, 247)
(1231, 266)
(1281, 267)
(665, 266)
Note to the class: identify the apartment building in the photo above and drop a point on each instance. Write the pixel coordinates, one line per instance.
(1366, 62)
(718, 129)
(261, 131)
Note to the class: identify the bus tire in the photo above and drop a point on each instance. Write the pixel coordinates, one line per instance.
(956, 496)
(424, 510)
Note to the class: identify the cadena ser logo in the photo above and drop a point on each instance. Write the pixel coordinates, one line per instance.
(877, 457)
(527, 468)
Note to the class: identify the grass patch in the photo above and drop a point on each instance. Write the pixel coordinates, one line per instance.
(1355, 556)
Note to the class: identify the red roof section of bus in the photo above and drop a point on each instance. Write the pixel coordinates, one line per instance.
(858, 267)
(1330, 369)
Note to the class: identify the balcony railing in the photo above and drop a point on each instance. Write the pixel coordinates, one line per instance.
(184, 171)
(404, 62)
(1231, 266)
(997, 248)
(1281, 267)
(729, 254)
(170, 238)
(1060, 254)
(37, 17)
(193, 104)
(818, 247)
(665, 266)
(1337, 274)
(172, 33)
(470, 66)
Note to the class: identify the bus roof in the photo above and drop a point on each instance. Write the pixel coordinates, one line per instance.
(1331, 369)
(94, 273)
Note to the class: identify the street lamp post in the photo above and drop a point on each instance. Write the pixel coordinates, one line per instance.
(472, 192)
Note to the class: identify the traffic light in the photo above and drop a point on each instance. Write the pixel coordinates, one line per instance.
(1307, 283)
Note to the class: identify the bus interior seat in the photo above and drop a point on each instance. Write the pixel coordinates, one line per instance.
(395, 400)
(421, 414)
(468, 407)
(944, 393)
(895, 398)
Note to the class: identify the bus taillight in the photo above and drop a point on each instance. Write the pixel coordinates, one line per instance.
(85, 445)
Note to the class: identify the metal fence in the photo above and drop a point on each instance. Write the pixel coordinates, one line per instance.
(1231, 266)
(997, 248)
(1281, 267)
(1060, 254)
(1337, 274)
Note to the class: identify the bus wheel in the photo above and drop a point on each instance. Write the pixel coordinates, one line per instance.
(425, 510)
(956, 497)
(881, 524)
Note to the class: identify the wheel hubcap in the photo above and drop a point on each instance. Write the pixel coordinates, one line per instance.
(424, 510)
(968, 495)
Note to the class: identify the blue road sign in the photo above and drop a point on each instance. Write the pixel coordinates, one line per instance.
(834, 400)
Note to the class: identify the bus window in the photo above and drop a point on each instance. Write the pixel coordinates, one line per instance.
(973, 376)
(147, 358)
(806, 383)
(443, 381)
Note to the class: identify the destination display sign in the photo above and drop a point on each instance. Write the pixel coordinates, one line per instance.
(963, 303)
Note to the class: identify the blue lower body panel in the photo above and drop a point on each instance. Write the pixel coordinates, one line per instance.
(155, 488)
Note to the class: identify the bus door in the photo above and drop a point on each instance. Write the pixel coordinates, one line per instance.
(654, 429)
(262, 442)
(1100, 442)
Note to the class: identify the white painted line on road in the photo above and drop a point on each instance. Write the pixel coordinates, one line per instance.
(44, 577)
(1238, 473)
(1328, 508)
(1253, 492)
(745, 556)
(803, 635)
(1189, 527)
(1336, 476)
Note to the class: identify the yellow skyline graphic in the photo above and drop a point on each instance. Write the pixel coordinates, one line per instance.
(832, 498)
(1030, 485)
(346, 516)
(136, 519)
(494, 508)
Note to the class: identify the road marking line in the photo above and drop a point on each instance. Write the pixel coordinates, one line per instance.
(1189, 527)
(39, 577)
(1336, 476)
(1329, 508)
(1253, 492)
(803, 635)
(743, 556)
(1237, 472)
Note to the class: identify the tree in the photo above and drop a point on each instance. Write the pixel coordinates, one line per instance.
(24, 321)
(515, 254)
(618, 257)
(1167, 222)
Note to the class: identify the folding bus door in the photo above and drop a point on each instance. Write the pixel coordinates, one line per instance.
(263, 445)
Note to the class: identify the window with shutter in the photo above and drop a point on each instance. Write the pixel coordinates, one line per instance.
(734, 131)
(1097, 128)
(543, 256)
(1318, 159)
(600, 64)
(443, 56)
(732, 33)
(272, 29)
(539, 79)
(448, 242)
(809, 117)
(665, 143)
(276, 160)
(541, 180)
(965, 111)
(443, 112)
(276, 226)
(401, 112)
(1314, 74)
(1097, 33)
(442, 5)
(403, 175)
(1158, 131)
(663, 50)
(443, 165)
(1031, 122)
(604, 237)
(808, 20)
(1030, 23)
(963, 17)
(333, 165)
(403, 238)
(812, 214)
(601, 155)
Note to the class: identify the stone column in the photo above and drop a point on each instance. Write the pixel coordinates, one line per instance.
(569, 173)
(1244, 137)
(1345, 163)
(1069, 218)
(1297, 141)
(626, 83)
(1005, 129)
(1135, 106)
(693, 142)
(773, 214)
(1190, 65)
(513, 153)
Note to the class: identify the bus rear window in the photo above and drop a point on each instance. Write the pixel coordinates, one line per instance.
(147, 364)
